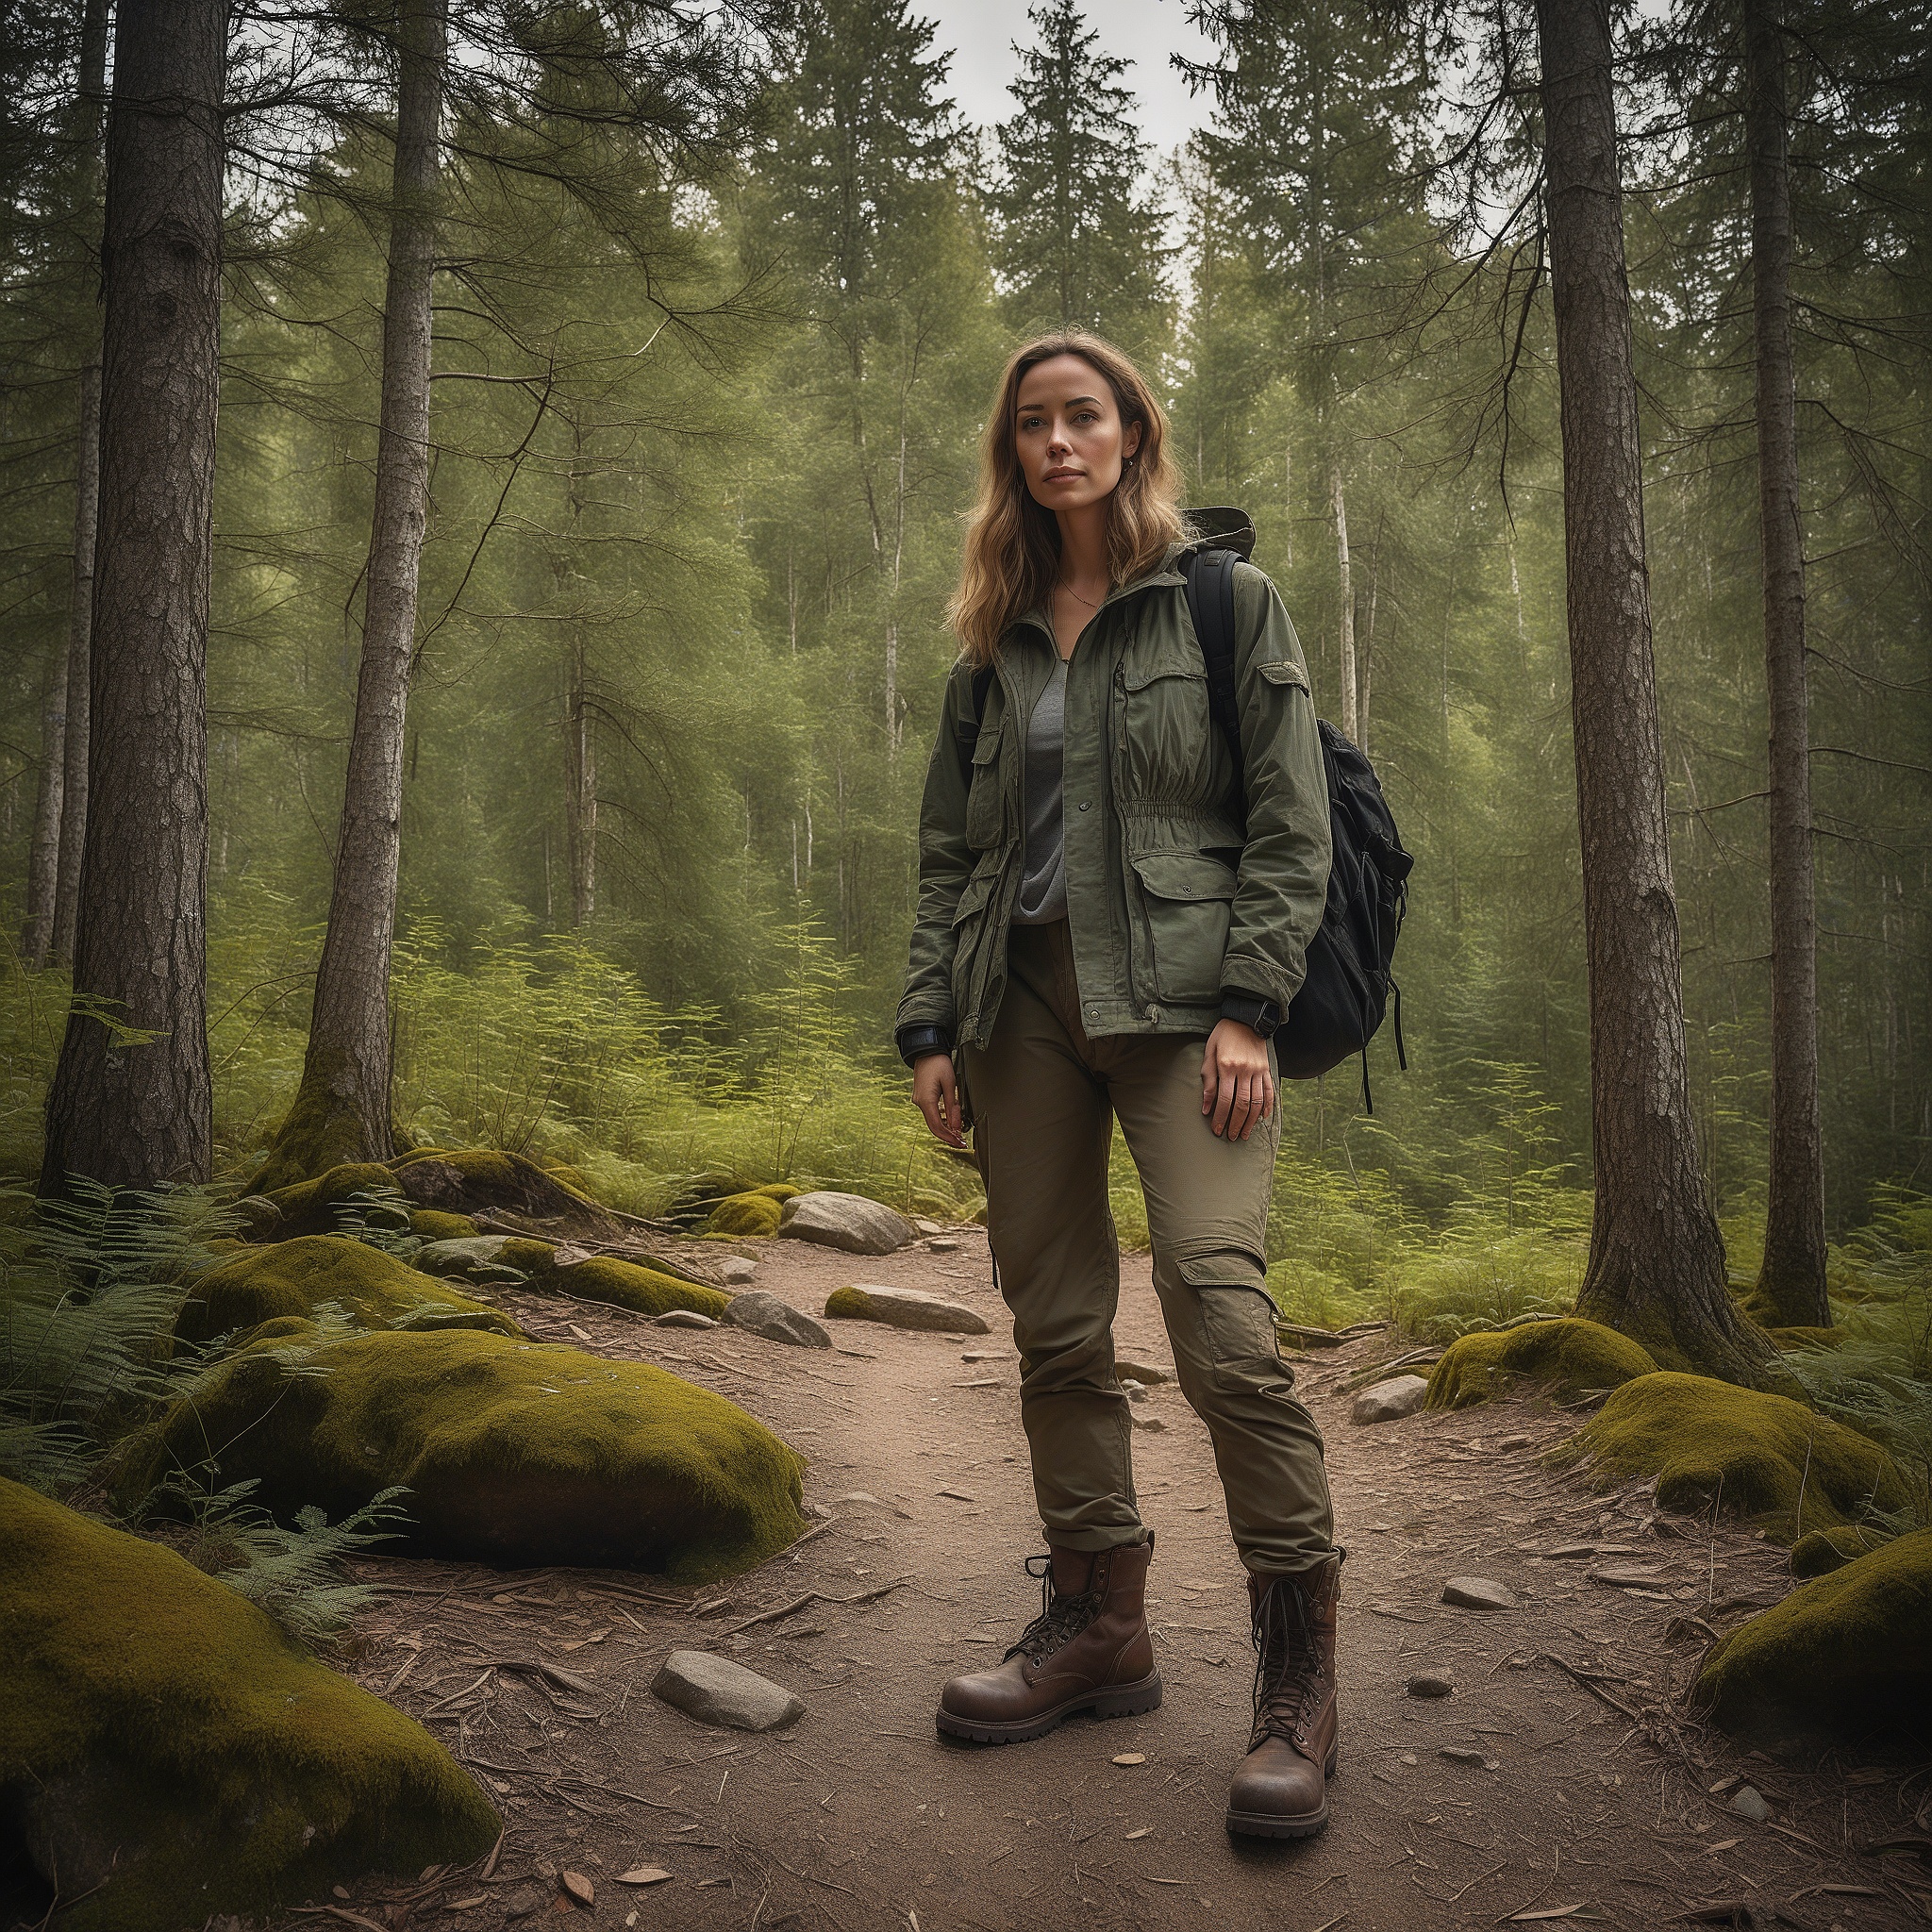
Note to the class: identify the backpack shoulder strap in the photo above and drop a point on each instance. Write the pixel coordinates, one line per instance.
(967, 730)
(1210, 604)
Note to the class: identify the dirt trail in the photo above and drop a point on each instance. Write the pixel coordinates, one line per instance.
(1586, 1799)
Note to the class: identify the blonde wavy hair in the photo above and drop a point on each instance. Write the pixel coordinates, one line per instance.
(1013, 544)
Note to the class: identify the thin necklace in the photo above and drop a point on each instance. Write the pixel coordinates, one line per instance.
(1074, 594)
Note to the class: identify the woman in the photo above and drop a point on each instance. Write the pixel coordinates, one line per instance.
(1105, 930)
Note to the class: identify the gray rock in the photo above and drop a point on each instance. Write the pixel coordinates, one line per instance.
(1149, 1373)
(906, 1308)
(1747, 1801)
(471, 1257)
(684, 1318)
(1464, 1754)
(1389, 1401)
(1478, 1593)
(759, 1311)
(523, 1903)
(849, 1223)
(1142, 1421)
(944, 1244)
(736, 1270)
(715, 1690)
(1431, 1684)
(1517, 1442)
(1132, 1390)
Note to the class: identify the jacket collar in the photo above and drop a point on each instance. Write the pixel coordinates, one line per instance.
(1218, 529)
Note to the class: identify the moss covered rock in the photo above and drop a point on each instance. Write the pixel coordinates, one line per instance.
(1844, 1656)
(296, 1278)
(1819, 1552)
(1764, 1453)
(485, 1180)
(513, 1452)
(432, 1224)
(169, 1753)
(604, 1278)
(745, 1214)
(1569, 1354)
(318, 1206)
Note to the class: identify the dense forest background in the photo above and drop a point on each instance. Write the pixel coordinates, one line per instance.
(698, 476)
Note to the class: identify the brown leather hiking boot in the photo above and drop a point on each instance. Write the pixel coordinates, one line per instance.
(1281, 1788)
(1089, 1649)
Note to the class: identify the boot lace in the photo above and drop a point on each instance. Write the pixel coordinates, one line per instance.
(1062, 1615)
(1287, 1660)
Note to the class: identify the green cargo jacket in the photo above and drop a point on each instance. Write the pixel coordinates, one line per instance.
(1167, 902)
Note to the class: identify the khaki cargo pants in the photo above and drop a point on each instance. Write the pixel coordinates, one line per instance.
(1043, 1098)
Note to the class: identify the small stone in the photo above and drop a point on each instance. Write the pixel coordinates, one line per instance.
(683, 1318)
(1131, 1758)
(903, 1307)
(960, 1495)
(1389, 1401)
(847, 1222)
(1145, 1831)
(1150, 1372)
(1516, 1442)
(926, 1226)
(1747, 1801)
(579, 1888)
(736, 1270)
(819, 1511)
(1406, 1758)
(522, 1904)
(1152, 1423)
(944, 1244)
(1133, 1392)
(1463, 1754)
(715, 1690)
(987, 1355)
(643, 1875)
(1431, 1684)
(857, 1496)
(1478, 1593)
(759, 1311)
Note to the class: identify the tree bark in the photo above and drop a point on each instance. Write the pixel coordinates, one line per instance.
(61, 806)
(1656, 1263)
(131, 1102)
(1351, 721)
(341, 1109)
(1791, 1283)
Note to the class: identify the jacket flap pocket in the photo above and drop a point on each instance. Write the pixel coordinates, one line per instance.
(1285, 670)
(1184, 876)
(978, 889)
(986, 748)
(1167, 658)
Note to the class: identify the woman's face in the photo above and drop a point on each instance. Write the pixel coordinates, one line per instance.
(1068, 434)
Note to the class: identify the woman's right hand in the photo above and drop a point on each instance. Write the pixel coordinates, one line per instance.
(936, 1093)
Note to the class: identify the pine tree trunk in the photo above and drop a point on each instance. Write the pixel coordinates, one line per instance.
(580, 779)
(1656, 1263)
(1790, 1285)
(60, 808)
(131, 1102)
(79, 631)
(1351, 722)
(342, 1111)
(43, 841)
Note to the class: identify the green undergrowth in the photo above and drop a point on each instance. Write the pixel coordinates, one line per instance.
(1569, 1356)
(1711, 1445)
(1845, 1657)
(170, 1753)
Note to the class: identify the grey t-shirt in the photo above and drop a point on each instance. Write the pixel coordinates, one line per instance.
(1043, 888)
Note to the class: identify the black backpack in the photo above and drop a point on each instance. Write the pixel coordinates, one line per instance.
(1349, 987)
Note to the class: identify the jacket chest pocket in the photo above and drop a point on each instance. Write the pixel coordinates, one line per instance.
(986, 801)
(1180, 937)
(1165, 741)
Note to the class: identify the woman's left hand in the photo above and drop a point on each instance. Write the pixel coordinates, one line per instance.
(1237, 1089)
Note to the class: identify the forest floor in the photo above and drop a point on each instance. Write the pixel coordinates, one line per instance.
(1582, 1791)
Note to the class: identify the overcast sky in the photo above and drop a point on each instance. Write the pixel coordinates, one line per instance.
(979, 35)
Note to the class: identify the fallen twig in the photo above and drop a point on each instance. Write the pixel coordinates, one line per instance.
(1583, 1677)
(815, 1596)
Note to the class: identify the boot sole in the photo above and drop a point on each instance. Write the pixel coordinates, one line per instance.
(1127, 1700)
(1272, 1824)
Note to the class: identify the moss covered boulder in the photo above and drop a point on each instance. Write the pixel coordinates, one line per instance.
(473, 1181)
(1819, 1552)
(513, 1452)
(605, 1278)
(296, 1278)
(168, 1753)
(1570, 1355)
(432, 1224)
(1844, 1656)
(745, 1214)
(320, 1205)
(1762, 1455)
